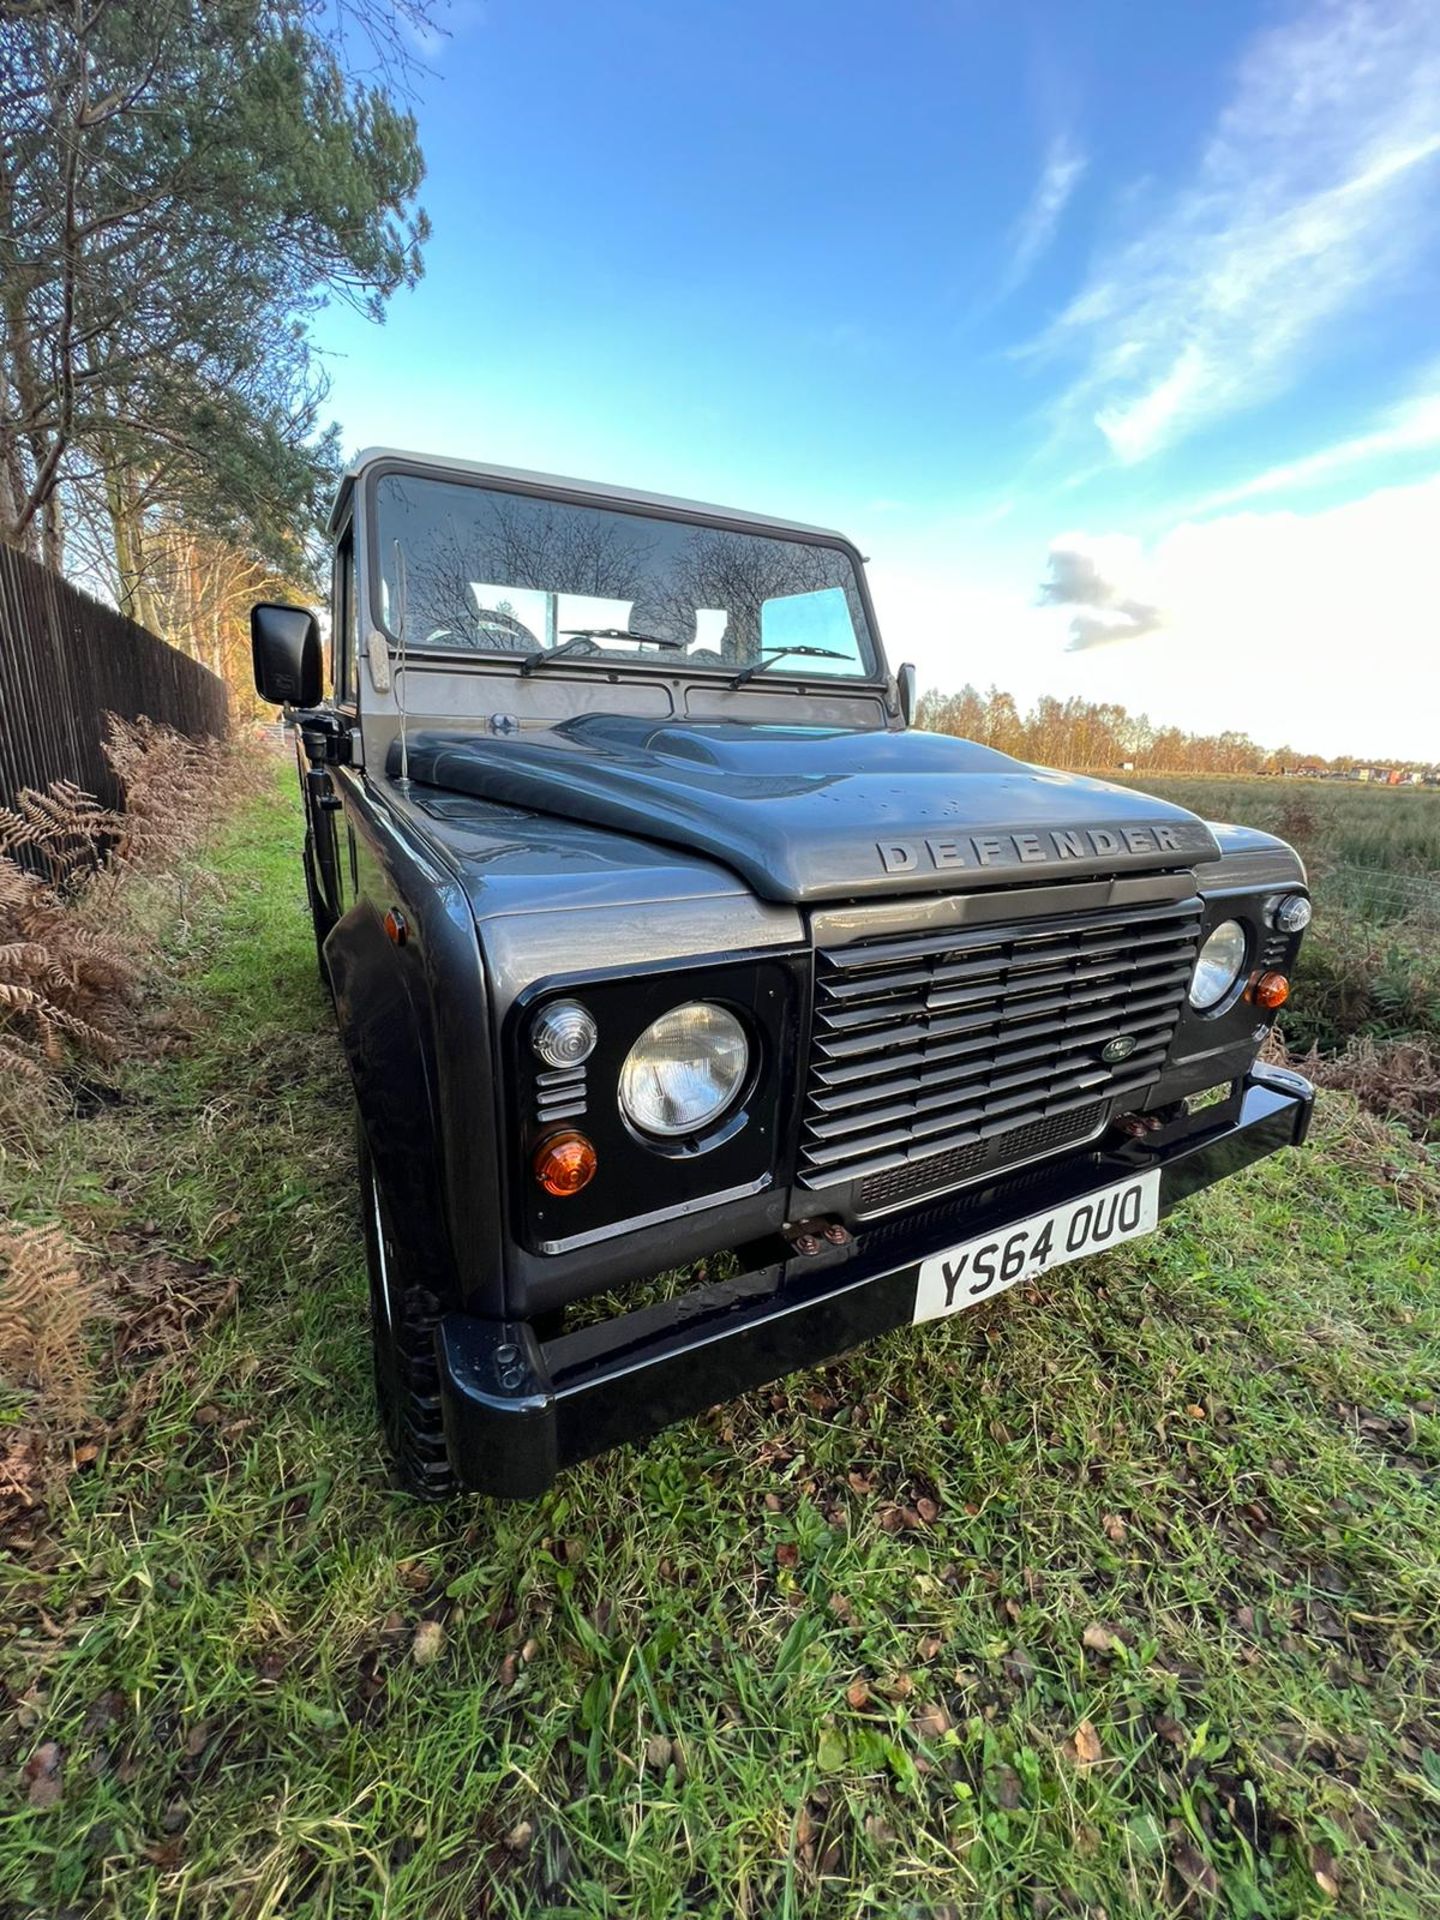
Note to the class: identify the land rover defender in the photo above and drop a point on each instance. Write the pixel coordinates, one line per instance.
(657, 932)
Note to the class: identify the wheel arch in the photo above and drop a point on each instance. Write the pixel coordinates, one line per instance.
(405, 968)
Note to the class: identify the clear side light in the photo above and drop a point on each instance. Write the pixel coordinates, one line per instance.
(563, 1034)
(1292, 913)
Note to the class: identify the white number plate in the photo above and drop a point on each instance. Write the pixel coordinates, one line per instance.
(952, 1281)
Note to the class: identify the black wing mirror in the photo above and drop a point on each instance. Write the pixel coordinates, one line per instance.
(905, 685)
(285, 646)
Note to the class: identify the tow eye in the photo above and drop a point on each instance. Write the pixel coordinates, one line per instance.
(509, 1366)
(809, 1237)
(1141, 1126)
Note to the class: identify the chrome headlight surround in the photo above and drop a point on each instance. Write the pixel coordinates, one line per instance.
(1219, 967)
(685, 1072)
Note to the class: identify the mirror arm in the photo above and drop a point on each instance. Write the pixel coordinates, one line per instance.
(324, 736)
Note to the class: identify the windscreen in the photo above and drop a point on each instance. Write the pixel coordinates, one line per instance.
(489, 572)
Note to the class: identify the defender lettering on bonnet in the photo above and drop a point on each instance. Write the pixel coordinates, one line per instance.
(1024, 849)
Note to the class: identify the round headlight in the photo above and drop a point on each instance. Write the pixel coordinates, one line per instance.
(1292, 914)
(684, 1070)
(563, 1034)
(1218, 967)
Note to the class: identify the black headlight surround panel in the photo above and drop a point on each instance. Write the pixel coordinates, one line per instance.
(1237, 1022)
(634, 1177)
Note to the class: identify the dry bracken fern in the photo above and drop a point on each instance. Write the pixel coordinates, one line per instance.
(172, 785)
(18, 1063)
(47, 1305)
(64, 831)
(61, 982)
(51, 1023)
(65, 987)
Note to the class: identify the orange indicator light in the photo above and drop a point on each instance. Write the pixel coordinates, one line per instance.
(564, 1163)
(1270, 990)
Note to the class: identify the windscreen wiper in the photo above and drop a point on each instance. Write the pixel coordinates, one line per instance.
(772, 654)
(619, 632)
(575, 636)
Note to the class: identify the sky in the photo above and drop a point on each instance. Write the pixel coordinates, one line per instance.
(1110, 333)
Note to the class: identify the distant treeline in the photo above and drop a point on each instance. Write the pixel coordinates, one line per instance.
(1085, 733)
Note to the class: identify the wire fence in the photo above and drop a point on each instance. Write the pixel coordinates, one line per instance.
(65, 662)
(1379, 896)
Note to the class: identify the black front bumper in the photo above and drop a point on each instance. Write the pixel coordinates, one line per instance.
(517, 1410)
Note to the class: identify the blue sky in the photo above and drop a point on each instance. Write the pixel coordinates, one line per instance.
(1110, 332)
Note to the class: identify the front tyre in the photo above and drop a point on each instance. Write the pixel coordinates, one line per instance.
(403, 1315)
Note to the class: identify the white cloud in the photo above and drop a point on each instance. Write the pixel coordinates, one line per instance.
(1315, 188)
(956, 628)
(1104, 582)
(1410, 427)
(1319, 630)
(1036, 228)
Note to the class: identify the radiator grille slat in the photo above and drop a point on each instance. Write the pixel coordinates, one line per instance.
(839, 1073)
(831, 1123)
(946, 1072)
(923, 1025)
(993, 966)
(946, 1053)
(999, 992)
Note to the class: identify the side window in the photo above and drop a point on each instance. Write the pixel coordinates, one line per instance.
(344, 664)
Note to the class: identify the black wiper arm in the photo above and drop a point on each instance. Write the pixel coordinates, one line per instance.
(575, 638)
(533, 662)
(773, 654)
(619, 633)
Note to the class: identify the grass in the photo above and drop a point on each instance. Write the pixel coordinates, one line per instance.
(1120, 1597)
(1341, 823)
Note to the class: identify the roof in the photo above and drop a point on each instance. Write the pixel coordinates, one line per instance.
(440, 465)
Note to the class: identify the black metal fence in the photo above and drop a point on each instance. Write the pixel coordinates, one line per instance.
(65, 662)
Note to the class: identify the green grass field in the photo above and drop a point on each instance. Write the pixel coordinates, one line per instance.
(1392, 829)
(1116, 1598)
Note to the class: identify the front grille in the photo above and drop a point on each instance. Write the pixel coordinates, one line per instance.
(935, 1043)
(937, 1171)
